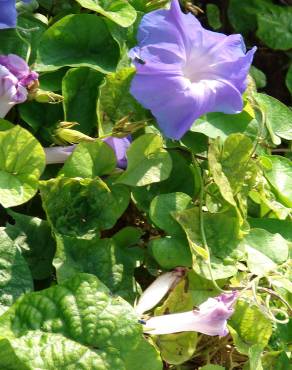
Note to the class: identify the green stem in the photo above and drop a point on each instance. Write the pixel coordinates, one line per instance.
(105, 136)
(202, 230)
(28, 52)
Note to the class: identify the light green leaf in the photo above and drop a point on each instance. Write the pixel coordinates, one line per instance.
(277, 115)
(91, 206)
(236, 160)
(280, 177)
(181, 179)
(90, 160)
(118, 11)
(79, 40)
(254, 354)
(148, 162)
(107, 259)
(77, 324)
(115, 102)
(80, 91)
(34, 237)
(22, 161)
(170, 252)
(15, 277)
(264, 251)
(221, 125)
(223, 243)
(161, 209)
(250, 326)
(217, 172)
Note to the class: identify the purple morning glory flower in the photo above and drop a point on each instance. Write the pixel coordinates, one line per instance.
(8, 13)
(184, 71)
(59, 154)
(15, 79)
(210, 318)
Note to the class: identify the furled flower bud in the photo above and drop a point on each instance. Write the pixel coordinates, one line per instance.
(44, 96)
(65, 135)
(158, 289)
(15, 80)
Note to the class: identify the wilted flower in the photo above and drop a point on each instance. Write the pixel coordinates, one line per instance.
(185, 71)
(210, 318)
(158, 289)
(15, 79)
(59, 154)
(8, 13)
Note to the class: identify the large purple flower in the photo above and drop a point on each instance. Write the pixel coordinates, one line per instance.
(15, 78)
(8, 13)
(184, 71)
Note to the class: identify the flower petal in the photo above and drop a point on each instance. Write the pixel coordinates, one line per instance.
(236, 71)
(8, 14)
(120, 146)
(186, 321)
(176, 103)
(58, 154)
(19, 68)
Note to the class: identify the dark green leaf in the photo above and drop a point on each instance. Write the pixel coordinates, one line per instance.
(111, 262)
(80, 40)
(80, 91)
(15, 277)
(90, 205)
(34, 236)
